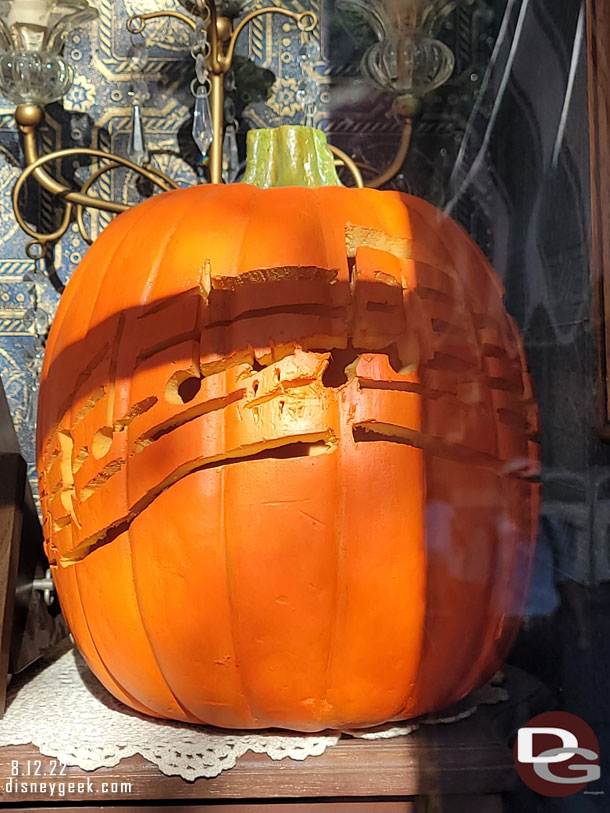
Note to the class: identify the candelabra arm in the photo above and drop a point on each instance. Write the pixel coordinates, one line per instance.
(135, 23)
(395, 166)
(349, 163)
(28, 117)
(306, 21)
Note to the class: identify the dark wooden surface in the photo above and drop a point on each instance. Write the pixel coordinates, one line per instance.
(457, 760)
(12, 490)
(598, 56)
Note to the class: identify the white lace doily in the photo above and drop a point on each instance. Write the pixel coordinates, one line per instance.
(80, 723)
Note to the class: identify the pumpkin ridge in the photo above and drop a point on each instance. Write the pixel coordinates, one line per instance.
(188, 714)
(246, 695)
(168, 234)
(129, 698)
(339, 569)
(159, 682)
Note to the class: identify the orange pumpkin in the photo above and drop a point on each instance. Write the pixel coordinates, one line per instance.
(286, 439)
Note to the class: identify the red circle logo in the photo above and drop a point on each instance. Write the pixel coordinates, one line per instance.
(557, 754)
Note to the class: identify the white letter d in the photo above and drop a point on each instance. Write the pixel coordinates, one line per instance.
(525, 744)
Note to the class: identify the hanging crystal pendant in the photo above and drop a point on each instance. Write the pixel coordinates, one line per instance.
(230, 154)
(309, 52)
(203, 132)
(307, 94)
(137, 151)
(36, 320)
(137, 55)
(33, 357)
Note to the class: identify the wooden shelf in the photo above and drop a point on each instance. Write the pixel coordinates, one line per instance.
(469, 762)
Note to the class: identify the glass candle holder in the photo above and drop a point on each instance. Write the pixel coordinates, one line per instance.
(408, 59)
(32, 37)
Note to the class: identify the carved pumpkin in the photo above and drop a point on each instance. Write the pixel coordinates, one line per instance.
(285, 445)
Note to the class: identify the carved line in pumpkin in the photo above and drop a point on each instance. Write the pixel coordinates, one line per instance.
(434, 293)
(510, 418)
(505, 416)
(80, 381)
(375, 431)
(324, 311)
(403, 248)
(282, 387)
(404, 386)
(102, 477)
(227, 284)
(187, 415)
(134, 412)
(67, 492)
(381, 307)
(171, 341)
(93, 399)
(294, 446)
(277, 274)
(80, 458)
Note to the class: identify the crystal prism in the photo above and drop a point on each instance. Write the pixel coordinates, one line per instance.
(309, 52)
(230, 155)
(137, 150)
(41, 321)
(308, 90)
(29, 318)
(137, 56)
(203, 132)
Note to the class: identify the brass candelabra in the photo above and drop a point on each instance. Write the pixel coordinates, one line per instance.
(220, 35)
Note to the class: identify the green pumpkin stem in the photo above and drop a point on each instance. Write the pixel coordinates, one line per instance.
(289, 156)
